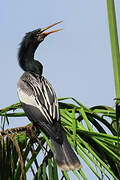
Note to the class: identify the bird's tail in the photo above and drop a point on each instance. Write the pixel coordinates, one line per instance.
(64, 155)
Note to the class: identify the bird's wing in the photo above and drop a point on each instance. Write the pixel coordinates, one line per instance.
(39, 101)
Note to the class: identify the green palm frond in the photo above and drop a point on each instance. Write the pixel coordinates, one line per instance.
(84, 129)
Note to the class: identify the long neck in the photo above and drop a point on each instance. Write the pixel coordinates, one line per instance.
(26, 59)
(29, 53)
(26, 55)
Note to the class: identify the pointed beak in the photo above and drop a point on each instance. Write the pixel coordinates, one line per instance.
(44, 34)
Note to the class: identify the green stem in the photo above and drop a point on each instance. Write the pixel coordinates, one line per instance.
(114, 45)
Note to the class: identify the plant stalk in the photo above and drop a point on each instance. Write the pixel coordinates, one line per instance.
(114, 45)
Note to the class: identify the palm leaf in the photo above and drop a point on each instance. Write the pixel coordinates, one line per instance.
(98, 150)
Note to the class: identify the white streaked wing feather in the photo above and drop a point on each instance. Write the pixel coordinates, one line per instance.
(43, 97)
(30, 100)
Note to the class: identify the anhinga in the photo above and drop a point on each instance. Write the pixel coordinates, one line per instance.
(39, 100)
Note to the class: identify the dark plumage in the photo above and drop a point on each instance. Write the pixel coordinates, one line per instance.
(39, 100)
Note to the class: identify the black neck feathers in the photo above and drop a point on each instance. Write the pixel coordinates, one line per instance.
(26, 54)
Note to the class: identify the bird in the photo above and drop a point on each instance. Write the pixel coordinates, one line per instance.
(39, 101)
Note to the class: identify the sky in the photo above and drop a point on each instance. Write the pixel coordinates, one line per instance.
(77, 60)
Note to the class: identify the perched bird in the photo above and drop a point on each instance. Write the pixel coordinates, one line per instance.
(39, 100)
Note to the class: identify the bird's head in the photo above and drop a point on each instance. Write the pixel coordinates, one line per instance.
(41, 34)
(28, 46)
(37, 36)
